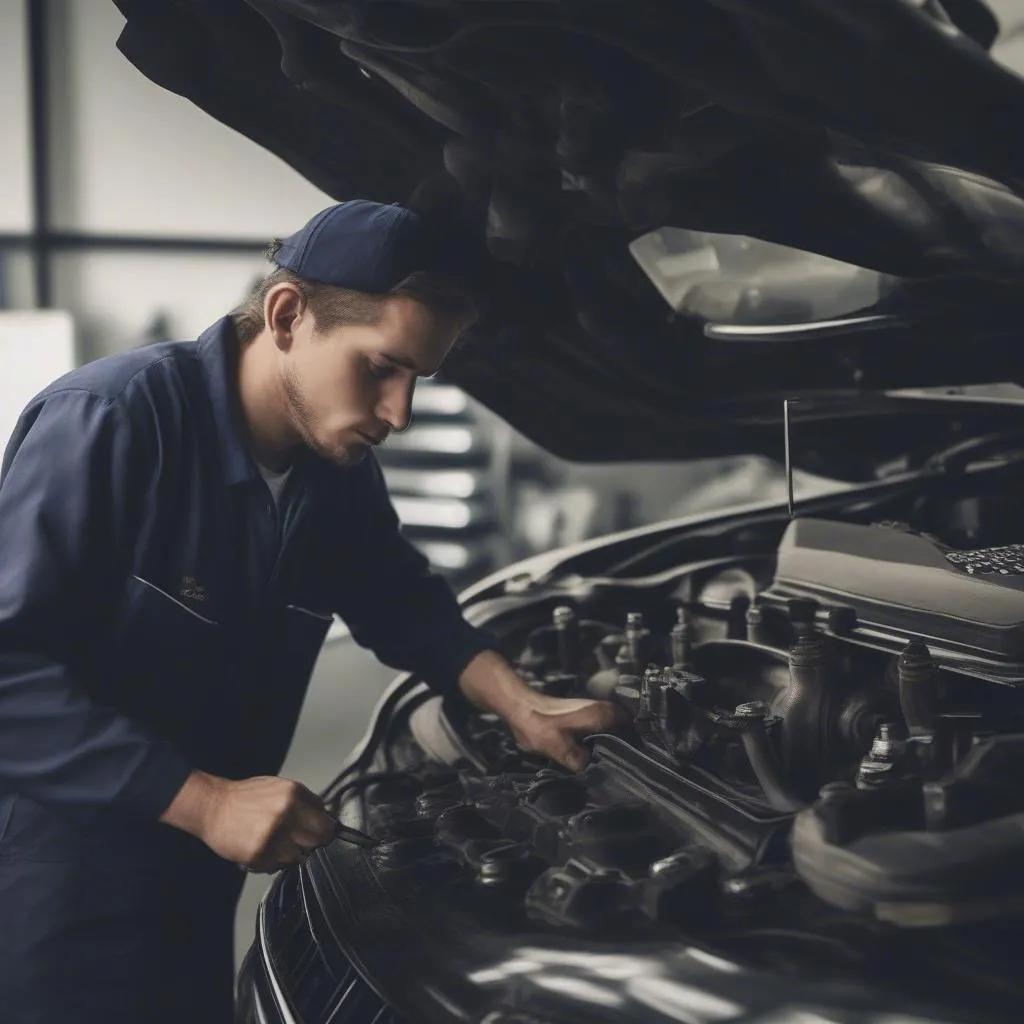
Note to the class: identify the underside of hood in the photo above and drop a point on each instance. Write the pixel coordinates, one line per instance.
(554, 133)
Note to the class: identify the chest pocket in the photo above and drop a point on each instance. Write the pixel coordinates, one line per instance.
(167, 651)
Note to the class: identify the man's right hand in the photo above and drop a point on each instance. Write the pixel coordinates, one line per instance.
(263, 824)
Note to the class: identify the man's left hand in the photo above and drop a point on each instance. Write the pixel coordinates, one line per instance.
(553, 725)
(540, 724)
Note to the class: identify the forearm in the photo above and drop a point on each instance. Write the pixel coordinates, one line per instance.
(491, 684)
(191, 806)
(262, 823)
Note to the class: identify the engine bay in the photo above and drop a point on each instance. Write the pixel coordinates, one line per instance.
(822, 770)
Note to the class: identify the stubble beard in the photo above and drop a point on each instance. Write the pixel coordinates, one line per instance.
(304, 421)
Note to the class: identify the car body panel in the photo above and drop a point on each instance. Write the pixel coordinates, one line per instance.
(554, 134)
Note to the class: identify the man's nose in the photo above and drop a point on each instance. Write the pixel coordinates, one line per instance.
(395, 407)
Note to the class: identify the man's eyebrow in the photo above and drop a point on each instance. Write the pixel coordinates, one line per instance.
(407, 363)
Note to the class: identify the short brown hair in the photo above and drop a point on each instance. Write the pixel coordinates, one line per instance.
(336, 307)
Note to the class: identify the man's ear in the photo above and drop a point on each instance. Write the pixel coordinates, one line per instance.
(283, 308)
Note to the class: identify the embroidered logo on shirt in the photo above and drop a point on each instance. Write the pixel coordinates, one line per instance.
(192, 590)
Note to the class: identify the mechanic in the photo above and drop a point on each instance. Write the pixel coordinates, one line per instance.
(178, 525)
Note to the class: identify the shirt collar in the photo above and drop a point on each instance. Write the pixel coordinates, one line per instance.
(218, 348)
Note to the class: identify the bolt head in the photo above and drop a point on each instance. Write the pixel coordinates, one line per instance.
(752, 709)
(563, 615)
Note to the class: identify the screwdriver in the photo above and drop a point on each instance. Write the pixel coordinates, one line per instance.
(348, 834)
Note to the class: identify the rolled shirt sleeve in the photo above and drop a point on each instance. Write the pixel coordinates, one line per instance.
(67, 503)
(391, 601)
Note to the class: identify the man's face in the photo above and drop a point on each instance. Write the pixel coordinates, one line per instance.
(347, 388)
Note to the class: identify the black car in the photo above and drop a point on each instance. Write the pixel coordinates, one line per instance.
(818, 814)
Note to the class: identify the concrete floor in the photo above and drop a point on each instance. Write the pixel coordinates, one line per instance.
(346, 684)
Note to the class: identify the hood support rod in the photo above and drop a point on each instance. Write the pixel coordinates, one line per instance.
(789, 461)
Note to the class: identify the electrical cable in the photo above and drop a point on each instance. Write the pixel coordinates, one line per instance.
(363, 753)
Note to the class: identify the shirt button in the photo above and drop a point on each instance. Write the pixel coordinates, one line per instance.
(269, 509)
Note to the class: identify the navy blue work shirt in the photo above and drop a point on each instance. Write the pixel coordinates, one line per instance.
(154, 615)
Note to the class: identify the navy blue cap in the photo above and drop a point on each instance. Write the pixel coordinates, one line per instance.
(367, 247)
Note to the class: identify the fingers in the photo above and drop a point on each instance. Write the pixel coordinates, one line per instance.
(312, 826)
(306, 827)
(574, 757)
(568, 722)
(314, 829)
(282, 854)
(611, 717)
(308, 840)
(265, 823)
(563, 748)
(596, 716)
(583, 715)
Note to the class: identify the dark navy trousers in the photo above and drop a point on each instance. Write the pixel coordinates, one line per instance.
(102, 922)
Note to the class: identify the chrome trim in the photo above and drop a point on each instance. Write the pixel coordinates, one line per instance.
(307, 611)
(797, 332)
(261, 1014)
(268, 965)
(163, 593)
(789, 462)
(1005, 393)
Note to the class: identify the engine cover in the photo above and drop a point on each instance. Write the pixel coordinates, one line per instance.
(906, 584)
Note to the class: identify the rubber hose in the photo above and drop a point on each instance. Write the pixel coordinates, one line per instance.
(768, 771)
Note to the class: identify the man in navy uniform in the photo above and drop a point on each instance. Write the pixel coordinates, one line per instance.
(178, 525)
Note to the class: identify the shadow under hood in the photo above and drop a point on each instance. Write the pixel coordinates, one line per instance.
(552, 134)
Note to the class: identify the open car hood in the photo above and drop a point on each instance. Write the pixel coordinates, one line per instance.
(557, 134)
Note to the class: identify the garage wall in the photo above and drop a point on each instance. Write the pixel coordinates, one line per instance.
(133, 160)
(123, 299)
(16, 291)
(15, 188)
(139, 160)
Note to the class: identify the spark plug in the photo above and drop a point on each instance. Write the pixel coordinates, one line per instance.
(680, 640)
(755, 626)
(631, 653)
(916, 673)
(568, 633)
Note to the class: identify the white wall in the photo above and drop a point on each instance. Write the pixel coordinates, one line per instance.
(16, 286)
(1009, 50)
(15, 182)
(1009, 12)
(133, 159)
(115, 296)
(145, 161)
(36, 347)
